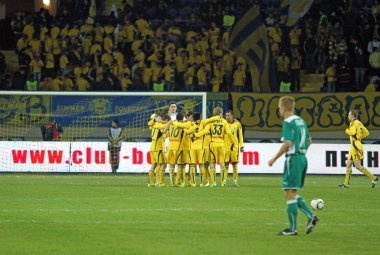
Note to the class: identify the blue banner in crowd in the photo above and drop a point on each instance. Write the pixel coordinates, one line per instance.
(101, 110)
(96, 111)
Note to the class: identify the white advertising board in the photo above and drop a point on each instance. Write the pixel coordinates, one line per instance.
(135, 157)
(34, 156)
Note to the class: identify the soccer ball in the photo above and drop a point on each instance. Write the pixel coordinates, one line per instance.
(317, 204)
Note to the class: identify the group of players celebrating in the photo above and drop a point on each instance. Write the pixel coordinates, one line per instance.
(193, 141)
(217, 140)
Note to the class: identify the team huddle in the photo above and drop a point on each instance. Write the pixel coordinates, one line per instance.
(193, 141)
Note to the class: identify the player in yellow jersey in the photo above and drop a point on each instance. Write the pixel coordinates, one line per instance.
(174, 157)
(218, 128)
(356, 131)
(199, 151)
(232, 156)
(184, 153)
(157, 149)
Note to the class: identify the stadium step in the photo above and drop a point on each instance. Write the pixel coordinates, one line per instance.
(11, 60)
(311, 82)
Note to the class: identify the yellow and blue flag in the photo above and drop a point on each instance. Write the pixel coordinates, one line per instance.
(292, 10)
(249, 40)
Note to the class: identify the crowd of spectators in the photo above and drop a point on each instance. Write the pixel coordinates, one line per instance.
(182, 45)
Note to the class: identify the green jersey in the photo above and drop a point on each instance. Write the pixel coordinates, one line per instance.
(294, 130)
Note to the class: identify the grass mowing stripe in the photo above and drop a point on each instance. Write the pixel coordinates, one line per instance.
(105, 214)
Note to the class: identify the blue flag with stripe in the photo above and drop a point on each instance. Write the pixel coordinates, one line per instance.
(292, 10)
(249, 40)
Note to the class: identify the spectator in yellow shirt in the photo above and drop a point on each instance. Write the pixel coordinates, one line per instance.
(48, 44)
(36, 67)
(239, 79)
(181, 63)
(218, 76)
(275, 33)
(168, 73)
(156, 71)
(141, 24)
(56, 84)
(35, 43)
(189, 78)
(147, 77)
(202, 78)
(331, 78)
(294, 35)
(283, 63)
(99, 32)
(49, 65)
(82, 84)
(125, 82)
(73, 32)
(108, 44)
(68, 84)
(63, 63)
(29, 30)
(214, 33)
(107, 59)
(140, 56)
(22, 43)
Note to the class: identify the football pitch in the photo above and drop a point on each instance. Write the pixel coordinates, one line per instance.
(108, 214)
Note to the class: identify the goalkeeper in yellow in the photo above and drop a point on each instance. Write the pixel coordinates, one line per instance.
(232, 155)
(218, 129)
(356, 131)
(157, 148)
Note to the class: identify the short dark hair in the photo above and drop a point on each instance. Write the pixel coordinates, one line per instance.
(179, 117)
(164, 112)
(189, 113)
(116, 122)
(165, 117)
(230, 112)
(196, 116)
(172, 103)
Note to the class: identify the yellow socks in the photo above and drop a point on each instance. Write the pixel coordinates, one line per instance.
(212, 175)
(192, 175)
(222, 174)
(183, 175)
(235, 172)
(162, 174)
(179, 176)
(367, 173)
(203, 174)
(157, 172)
(151, 176)
(348, 176)
(171, 174)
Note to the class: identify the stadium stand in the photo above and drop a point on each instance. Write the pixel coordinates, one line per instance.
(132, 45)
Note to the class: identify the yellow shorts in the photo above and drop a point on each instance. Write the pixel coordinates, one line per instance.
(157, 157)
(356, 151)
(217, 153)
(183, 157)
(172, 157)
(198, 156)
(232, 156)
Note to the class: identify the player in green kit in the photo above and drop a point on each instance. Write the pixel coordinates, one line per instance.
(296, 141)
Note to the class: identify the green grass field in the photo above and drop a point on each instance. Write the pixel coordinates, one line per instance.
(106, 214)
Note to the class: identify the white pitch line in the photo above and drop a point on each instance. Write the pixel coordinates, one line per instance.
(167, 209)
(138, 209)
(140, 222)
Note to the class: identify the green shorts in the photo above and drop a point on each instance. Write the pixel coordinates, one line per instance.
(294, 172)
